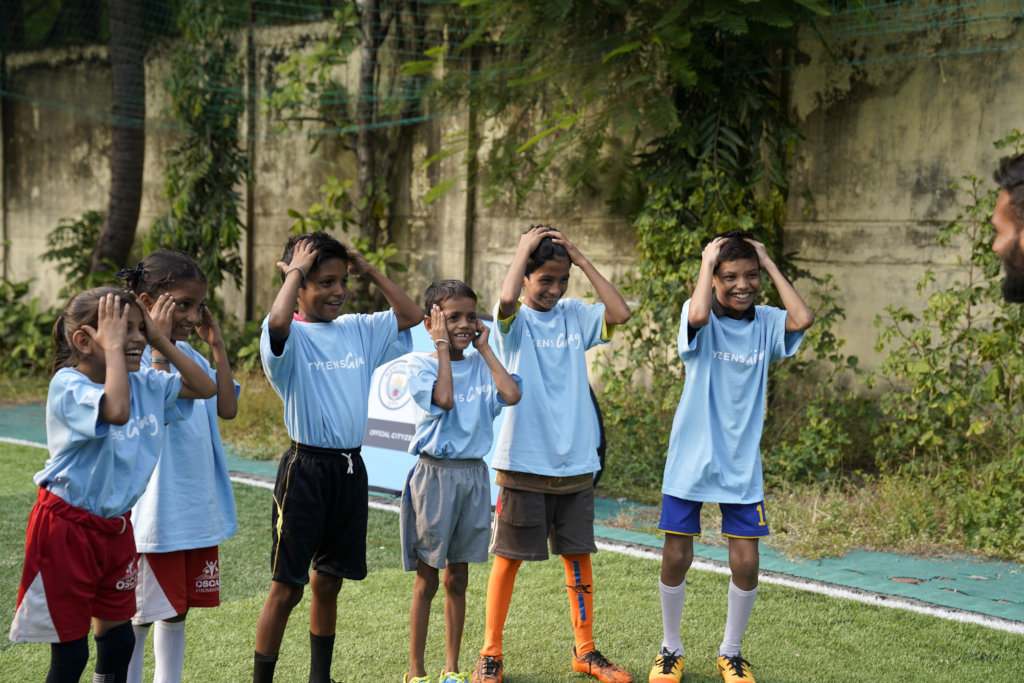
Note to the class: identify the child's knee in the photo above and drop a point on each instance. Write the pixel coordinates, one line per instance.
(285, 595)
(456, 578)
(324, 585)
(426, 584)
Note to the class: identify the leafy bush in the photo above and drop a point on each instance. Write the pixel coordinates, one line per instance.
(955, 380)
(26, 331)
(71, 245)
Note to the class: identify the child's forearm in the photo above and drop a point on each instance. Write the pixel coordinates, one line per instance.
(616, 310)
(194, 380)
(115, 405)
(507, 387)
(443, 395)
(407, 311)
(799, 316)
(227, 400)
(700, 301)
(283, 309)
(512, 285)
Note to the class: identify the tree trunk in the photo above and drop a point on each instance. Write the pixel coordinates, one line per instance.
(128, 76)
(370, 28)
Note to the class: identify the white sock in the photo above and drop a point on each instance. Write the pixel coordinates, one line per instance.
(138, 654)
(169, 650)
(740, 604)
(672, 598)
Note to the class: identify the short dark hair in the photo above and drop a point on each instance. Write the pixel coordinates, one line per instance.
(1010, 176)
(327, 248)
(81, 309)
(736, 248)
(160, 271)
(546, 251)
(440, 291)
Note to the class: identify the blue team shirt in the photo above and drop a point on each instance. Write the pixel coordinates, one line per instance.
(553, 430)
(100, 467)
(188, 502)
(714, 450)
(465, 431)
(323, 374)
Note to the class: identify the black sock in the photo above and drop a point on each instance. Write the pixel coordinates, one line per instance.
(263, 667)
(67, 661)
(113, 654)
(321, 652)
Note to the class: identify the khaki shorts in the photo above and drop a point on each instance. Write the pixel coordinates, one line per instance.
(525, 521)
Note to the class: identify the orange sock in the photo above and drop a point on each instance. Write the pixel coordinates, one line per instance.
(579, 580)
(499, 595)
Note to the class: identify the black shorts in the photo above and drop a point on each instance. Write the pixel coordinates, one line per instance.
(319, 514)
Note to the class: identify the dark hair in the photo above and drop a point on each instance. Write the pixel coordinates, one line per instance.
(326, 248)
(546, 251)
(1010, 176)
(736, 248)
(160, 271)
(440, 291)
(81, 309)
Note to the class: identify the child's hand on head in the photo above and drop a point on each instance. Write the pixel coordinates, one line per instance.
(482, 331)
(762, 253)
(574, 254)
(154, 335)
(712, 250)
(162, 313)
(357, 265)
(111, 331)
(303, 257)
(438, 328)
(530, 240)
(208, 329)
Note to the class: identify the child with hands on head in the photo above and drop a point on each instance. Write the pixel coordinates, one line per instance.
(105, 424)
(320, 363)
(188, 508)
(727, 344)
(546, 455)
(446, 504)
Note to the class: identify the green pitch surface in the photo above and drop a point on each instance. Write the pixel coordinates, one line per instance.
(793, 635)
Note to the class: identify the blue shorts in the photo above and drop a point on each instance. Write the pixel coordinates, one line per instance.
(739, 520)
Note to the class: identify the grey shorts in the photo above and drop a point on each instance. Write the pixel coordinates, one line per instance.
(525, 520)
(446, 512)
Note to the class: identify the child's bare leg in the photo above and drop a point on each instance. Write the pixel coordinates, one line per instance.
(423, 591)
(323, 606)
(281, 600)
(744, 561)
(456, 578)
(676, 558)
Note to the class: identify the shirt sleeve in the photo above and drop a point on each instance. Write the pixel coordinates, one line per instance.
(506, 332)
(382, 342)
(168, 385)
(784, 344)
(77, 406)
(687, 345)
(592, 325)
(422, 378)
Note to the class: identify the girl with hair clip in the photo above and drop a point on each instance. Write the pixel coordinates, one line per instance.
(105, 422)
(188, 508)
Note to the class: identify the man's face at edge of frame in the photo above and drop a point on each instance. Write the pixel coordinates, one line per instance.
(1007, 244)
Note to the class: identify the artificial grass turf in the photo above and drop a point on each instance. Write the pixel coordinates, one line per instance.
(793, 636)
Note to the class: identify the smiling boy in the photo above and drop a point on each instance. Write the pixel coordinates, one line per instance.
(320, 363)
(727, 344)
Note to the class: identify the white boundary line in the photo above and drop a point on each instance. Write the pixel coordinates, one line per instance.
(809, 585)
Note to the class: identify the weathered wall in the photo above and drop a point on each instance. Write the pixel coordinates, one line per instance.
(887, 129)
(56, 157)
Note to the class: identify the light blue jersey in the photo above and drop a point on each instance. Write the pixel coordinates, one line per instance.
(100, 467)
(323, 374)
(465, 431)
(553, 430)
(714, 450)
(188, 502)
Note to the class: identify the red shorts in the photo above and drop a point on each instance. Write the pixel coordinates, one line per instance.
(170, 583)
(77, 566)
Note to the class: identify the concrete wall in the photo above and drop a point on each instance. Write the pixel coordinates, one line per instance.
(892, 113)
(897, 112)
(56, 155)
